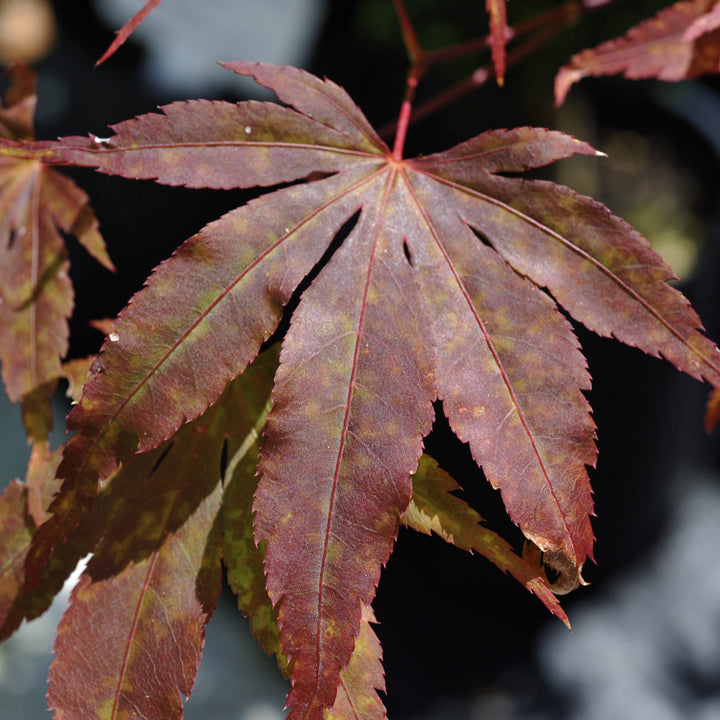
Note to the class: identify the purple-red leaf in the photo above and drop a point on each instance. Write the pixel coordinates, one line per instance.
(36, 297)
(604, 273)
(498, 364)
(155, 574)
(321, 100)
(207, 310)
(421, 279)
(679, 43)
(131, 641)
(128, 28)
(199, 143)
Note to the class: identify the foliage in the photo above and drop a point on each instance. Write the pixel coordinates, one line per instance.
(413, 285)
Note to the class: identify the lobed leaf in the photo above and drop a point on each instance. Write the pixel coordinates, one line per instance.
(681, 42)
(36, 296)
(155, 574)
(207, 310)
(429, 279)
(213, 144)
(524, 416)
(604, 273)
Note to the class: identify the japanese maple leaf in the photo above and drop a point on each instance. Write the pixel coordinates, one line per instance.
(130, 642)
(435, 278)
(37, 204)
(680, 42)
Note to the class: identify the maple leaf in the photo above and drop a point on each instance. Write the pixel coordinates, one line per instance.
(497, 10)
(443, 284)
(36, 298)
(17, 528)
(151, 586)
(680, 42)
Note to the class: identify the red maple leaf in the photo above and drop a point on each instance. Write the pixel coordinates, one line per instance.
(680, 42)
(435, 278)
(37, 204)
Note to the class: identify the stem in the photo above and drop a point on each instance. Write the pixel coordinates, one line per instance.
(405, 113)
(412, 44)
(441, 100)
(418, 66)
(540, 29)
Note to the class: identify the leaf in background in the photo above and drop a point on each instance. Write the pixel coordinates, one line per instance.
(357, 697)
(434, 509)
(498, 35)
(132, 638)
(128, 28)
(712, 410)
(18, 527)
(40, 473)
(434, 289)
(681, 42)
(130, 643)
(76, 372)
(18, 111)
(17, 530)
(36, 298)
(243, 558)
